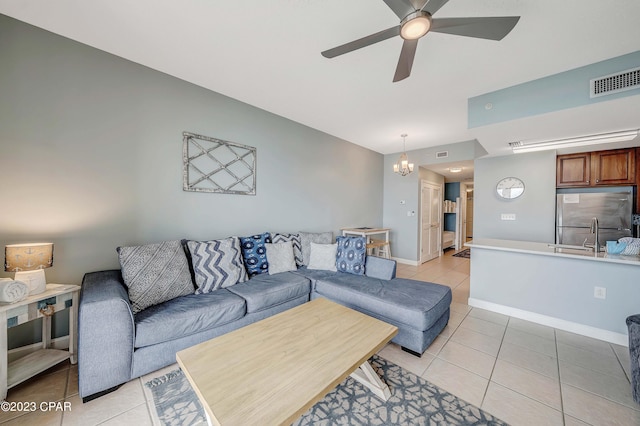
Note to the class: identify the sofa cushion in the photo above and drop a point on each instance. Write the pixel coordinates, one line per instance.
(155, 273)
(216, 264)
(351, 254)
(323, 256)
(265, 291)
(295, 241)
(306, 238)
(255, 253)
(187, 315)
(314, 274)
(415, 303)
(280, 257)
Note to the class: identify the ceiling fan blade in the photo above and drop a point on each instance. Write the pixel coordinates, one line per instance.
(432, 6)
(401, 7)
(362, 42)
(403, 70)
(492, 28)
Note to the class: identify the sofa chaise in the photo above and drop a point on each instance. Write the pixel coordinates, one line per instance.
(117, 344)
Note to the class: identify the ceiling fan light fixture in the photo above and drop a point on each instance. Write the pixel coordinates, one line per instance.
(415, 25)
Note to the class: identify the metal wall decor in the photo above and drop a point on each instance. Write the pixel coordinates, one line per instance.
(215, 165)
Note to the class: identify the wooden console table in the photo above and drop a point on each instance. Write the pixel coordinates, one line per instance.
(54, 299)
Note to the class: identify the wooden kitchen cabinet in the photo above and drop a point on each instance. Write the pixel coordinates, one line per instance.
(573, 170)
(614, 167)
(601, 168)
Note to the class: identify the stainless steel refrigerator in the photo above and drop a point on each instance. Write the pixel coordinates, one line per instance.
(575, 212)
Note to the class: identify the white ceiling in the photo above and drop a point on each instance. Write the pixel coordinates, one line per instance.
(267, 54)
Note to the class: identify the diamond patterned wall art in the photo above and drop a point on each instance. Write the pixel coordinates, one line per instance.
(215, 165)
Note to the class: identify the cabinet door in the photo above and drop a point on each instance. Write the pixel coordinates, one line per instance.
(573, 170)
(614, 167)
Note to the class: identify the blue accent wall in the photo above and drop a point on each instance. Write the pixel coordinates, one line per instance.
(568, 89)
(451, 192)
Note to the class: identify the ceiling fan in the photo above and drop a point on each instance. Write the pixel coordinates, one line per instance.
(416, 21)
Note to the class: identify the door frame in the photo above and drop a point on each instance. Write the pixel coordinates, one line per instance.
(434, 185)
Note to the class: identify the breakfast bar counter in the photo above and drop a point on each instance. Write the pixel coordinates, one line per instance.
(566, 288)
(556, 250)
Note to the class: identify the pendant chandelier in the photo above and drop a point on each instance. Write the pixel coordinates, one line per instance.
(403, 167)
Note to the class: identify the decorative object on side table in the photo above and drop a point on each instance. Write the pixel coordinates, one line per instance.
(28, 261)
(12, 291)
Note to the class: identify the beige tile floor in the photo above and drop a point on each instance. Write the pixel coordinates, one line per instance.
(524, 373)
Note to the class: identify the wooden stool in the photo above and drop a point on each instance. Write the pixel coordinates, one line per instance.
(379, 248)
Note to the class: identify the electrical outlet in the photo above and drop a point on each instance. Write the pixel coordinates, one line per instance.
(508, 216)
(600, 292)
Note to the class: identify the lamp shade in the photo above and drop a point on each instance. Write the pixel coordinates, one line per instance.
(28, 257)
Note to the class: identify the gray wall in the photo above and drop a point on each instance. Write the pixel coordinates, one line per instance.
(91, 155)
(405, 230)
(534, 209)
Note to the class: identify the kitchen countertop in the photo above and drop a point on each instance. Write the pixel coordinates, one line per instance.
(546, 249)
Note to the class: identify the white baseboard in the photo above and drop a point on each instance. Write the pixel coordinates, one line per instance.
(406, 261)
(58, 343)
(560, 324)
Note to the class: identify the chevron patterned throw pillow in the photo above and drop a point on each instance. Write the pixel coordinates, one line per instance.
(216, 264)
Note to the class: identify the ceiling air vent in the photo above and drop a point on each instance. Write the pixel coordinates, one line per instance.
(442, 154)
(615, 83)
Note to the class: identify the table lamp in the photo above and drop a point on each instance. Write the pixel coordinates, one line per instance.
(28, 261)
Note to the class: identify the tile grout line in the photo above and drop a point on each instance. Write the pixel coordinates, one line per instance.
(496, 361)
(555, 339)
(621, 365)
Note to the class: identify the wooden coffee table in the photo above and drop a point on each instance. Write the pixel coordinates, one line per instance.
(272, 371)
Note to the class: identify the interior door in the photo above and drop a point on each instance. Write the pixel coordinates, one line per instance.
(431, 221)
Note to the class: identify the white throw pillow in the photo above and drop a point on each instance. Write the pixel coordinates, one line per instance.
(280, 257)
(323, 256)
(306, 238)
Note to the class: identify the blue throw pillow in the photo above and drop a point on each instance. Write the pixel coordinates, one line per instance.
(351, 255)
(254, 253)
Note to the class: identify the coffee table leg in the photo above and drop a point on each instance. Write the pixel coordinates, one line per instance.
(365, 375)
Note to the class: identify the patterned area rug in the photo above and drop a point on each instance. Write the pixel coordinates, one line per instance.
(466, 253)
(414, 401)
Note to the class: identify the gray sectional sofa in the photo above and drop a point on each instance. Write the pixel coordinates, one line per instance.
(115, 345)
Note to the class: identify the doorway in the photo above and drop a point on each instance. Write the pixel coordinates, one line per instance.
(469, 215)
(465, 216)
(430, 220)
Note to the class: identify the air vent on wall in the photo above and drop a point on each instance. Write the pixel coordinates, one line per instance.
(442, 154)
(615, 83)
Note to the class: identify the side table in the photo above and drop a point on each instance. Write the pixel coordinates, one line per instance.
(55, 298)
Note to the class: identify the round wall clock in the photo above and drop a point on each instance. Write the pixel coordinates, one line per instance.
(510, 188)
